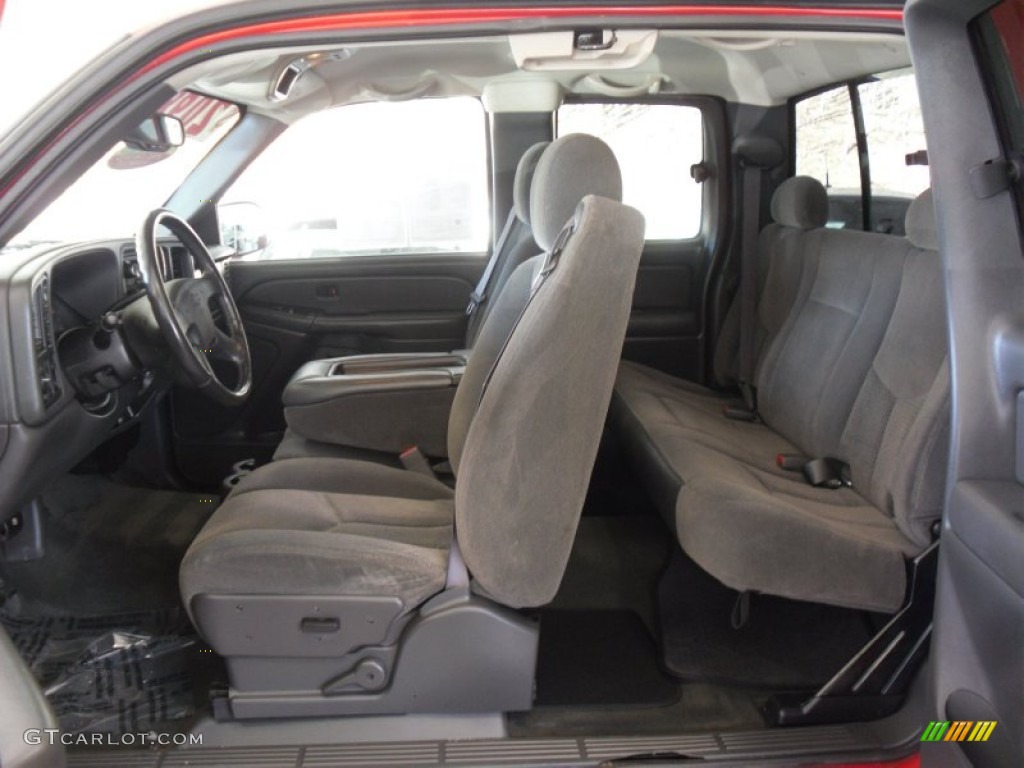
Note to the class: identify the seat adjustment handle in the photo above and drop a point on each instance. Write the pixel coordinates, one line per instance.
(319, 626)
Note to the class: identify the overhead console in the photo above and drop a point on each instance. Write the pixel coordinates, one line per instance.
(583, 49)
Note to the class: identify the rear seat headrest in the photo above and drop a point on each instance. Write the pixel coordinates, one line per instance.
(571, 168)
(800, 202)
(922, 231)
(524, 179)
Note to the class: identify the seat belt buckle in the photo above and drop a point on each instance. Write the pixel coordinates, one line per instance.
(737, 413)
(475, 300)
(413, 460)
(828, 473)
(791, 462)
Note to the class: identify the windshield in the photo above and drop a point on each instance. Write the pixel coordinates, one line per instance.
(111, 199)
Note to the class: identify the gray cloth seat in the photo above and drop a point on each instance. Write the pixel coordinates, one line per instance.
(519, 246)
(856, 372)
(355, 528)
(523, 436)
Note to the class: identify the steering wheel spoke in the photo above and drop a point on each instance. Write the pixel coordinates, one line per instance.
(228, 348)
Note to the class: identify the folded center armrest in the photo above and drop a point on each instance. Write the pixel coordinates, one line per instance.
(313, 389)
(378, 410)
(392, 362)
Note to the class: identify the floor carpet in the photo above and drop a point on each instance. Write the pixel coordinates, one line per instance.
(784, 645)
(599, 659)
(616, 564)
(109, 548)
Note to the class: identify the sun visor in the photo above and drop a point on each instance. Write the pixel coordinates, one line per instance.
(522, 95)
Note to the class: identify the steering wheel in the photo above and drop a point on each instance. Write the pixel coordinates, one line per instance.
(196, 315)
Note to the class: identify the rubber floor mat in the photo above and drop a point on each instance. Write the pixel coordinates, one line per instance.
(122, 673)
(599, 659)
(784, 645)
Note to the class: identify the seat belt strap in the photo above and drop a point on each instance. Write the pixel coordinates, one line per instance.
(748, 283)
(479, 295)
(548, 266)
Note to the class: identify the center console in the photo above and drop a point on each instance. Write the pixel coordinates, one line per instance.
(376, 402)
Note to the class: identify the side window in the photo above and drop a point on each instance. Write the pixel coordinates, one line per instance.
(378, 178)
(1002, 48)
(655, 144)
(868, 130)
(826, 148)
(893, 130)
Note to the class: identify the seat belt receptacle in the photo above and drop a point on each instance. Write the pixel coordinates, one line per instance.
(413, 460)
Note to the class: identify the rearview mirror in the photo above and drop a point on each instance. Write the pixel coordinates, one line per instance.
(157, 133)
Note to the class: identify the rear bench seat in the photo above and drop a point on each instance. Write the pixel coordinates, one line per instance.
(852, 365)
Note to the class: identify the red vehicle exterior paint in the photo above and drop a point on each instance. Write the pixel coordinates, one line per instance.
(443, 16)
(913, 761)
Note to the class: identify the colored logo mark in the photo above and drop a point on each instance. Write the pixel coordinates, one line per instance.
(959, 730)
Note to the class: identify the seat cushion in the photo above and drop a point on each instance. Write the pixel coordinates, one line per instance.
(769, 531)
(325, 527)
(667, 408)
(750, 524)
(295, 446)
(339, 475)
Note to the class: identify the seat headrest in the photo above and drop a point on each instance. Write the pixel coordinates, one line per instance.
(571, 168)
(922, 231)
(524, 180)
(800, 202)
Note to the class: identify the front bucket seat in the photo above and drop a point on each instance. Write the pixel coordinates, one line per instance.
(340, 587)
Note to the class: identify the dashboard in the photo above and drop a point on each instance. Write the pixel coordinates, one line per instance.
(50, 418)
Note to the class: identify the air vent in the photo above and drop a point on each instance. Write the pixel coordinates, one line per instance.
(290, 75)
(287, 79)
(130, 271)
(172, 261)
(43, 343)
(182, 263)
(165, 260)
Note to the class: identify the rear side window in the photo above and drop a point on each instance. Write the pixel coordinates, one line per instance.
(377, 178)
(655, 145)
(826, 148)
(865, 142)
(893, 130)
(1002, 49)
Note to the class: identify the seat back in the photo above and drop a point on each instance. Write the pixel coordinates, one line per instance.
(531, 407)
(859, 372)
(799, 208)
(568, 170)
(520, 244)
(896, 439)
